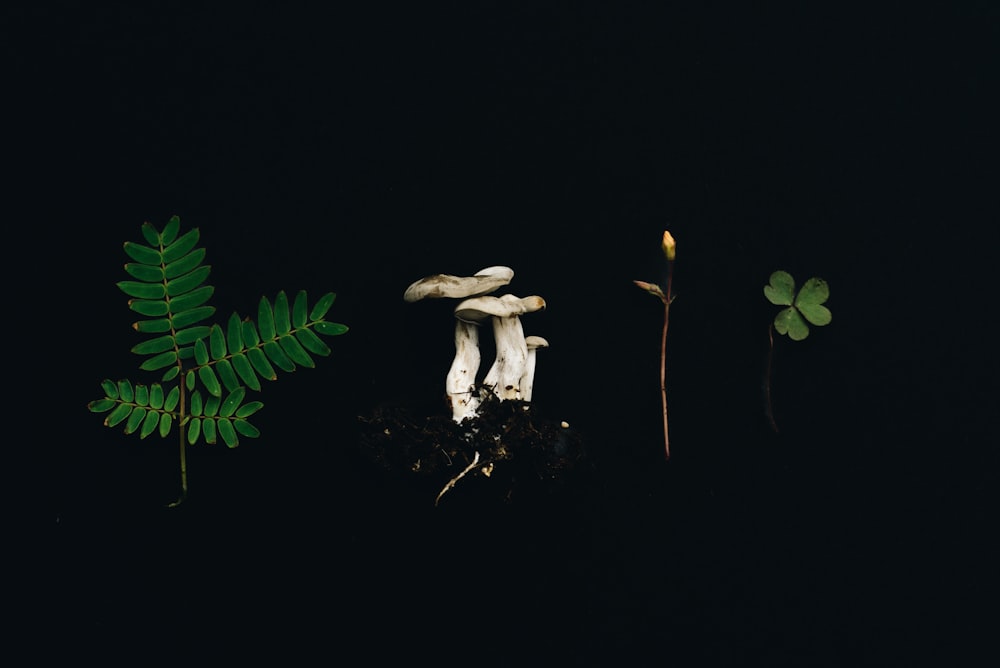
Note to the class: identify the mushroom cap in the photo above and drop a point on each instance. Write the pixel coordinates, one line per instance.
(482, 282)
(477, 309)
(536, 342)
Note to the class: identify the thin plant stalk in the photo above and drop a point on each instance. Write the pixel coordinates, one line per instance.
(768, 403)
(666, 296)
(183, 452)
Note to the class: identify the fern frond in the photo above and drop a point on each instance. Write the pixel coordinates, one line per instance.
(245, 352)
(210, 367)
(169, 291)
(143, 409)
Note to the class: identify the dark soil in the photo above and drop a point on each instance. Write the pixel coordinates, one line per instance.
(520, 453)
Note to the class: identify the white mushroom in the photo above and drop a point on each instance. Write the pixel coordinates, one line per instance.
(504, 377)
(528, 377)
(461, 380)
(482, 282)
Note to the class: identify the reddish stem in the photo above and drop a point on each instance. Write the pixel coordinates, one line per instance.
(667, 299)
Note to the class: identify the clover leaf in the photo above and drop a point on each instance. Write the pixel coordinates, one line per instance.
(805, 306)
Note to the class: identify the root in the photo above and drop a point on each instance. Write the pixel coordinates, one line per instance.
(454, 481)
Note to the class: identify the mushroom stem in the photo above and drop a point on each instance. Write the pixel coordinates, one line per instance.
(512, 357)
(461, 380)
(528, 377)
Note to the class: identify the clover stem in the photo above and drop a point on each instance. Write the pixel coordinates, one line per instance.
(668, 298)
(768, 406)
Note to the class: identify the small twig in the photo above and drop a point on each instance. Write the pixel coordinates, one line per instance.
(768, 407)
(668, 298)
(454, 481)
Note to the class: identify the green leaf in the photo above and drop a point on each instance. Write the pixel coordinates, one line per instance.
(322, 306)
(144, 272)
(817, 314)
(781, 288)
(245, 371)
(185, 264)
(211, 382)
(248, 409)
(125, 390)
(189, 281)
(156, 396)
(189, 379)
(227, 374)
(815, 291)
(141, 290)
(142, 395)
(212, 406)
(234, 334)
(173, 398)
(193, 430)
(217, 343)
(810, 299)
(135, 419)
(181, 246)
(227, 432)
(197, 405)
(259, 361)
(110, 388)
(166, 421)
(160, 361)
(311, 342)
(790, 322)
(169, 233)
(191, 299)
(186, 318)
(152, 326)
(200, 352)
(154, 346)
(300, 310)
(172, 372)
(282, 323)
(192, 335)
(295, 351)
(250, 336)
(208, 428)
(149, 308)
(265, 320)
(232, 402)
(278, 356)
(150, 234)
(149, 424)
(141, 253)
(101, 405)
(117, 415)
(329, 328)
(245, 428)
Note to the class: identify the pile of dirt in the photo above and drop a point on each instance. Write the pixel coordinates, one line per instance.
(507, 451)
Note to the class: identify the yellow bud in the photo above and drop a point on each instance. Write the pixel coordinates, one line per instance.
(669, 246)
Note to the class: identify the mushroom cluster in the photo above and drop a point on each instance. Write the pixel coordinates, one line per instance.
(512, 374)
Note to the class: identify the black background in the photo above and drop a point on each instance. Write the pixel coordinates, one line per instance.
(356, 150)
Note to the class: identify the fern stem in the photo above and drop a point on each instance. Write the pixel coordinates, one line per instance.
(181, 429)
